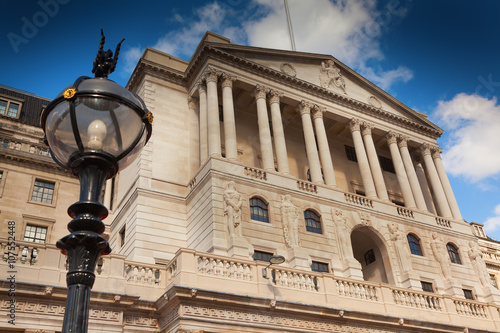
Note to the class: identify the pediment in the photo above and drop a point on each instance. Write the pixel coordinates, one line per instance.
(328, 73)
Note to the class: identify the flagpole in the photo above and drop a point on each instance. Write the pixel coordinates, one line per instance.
(290, 30)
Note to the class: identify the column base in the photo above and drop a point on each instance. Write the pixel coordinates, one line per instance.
(298, 258)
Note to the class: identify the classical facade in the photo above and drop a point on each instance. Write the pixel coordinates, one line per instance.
(255, 153)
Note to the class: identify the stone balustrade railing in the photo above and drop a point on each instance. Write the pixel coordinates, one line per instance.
(358, 200)
(307, 186)
(416, 299)
(25, 146)
(21, 252)
(295, 279)
(405, 212)
(470, 308)
(225, 267)
(255, 173)
(443, 222)
(141, 273)
(356, 289)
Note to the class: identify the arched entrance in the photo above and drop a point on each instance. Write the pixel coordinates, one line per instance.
(371, 252)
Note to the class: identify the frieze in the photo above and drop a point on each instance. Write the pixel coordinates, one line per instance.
(32, 307)
(102, 314)
(290, 322)
(288, 69)
(140, 321)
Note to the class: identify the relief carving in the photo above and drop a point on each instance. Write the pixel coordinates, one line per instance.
(441, 255)
(476, 258)
(288, 69)
(232, 209)
(401, 247)
(329, 76)
(290, 219)
(343, 234)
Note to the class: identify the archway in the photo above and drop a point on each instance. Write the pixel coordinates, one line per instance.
(369, 249)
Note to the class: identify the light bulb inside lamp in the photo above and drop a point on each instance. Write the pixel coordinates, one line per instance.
(97, 133)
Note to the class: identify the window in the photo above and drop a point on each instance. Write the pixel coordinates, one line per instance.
(262, 256)
(427, 286)
(369, 257)
(318, 266)
(414, 243)
(43, 191)
(122, 236)
(313, 222)
(493, 281)
(453, 252)
(9, 108)
(4, 143)
(35, 233)
(386, 164)
(468, 294)
(1, 175)
(350, 152)
(258, 210)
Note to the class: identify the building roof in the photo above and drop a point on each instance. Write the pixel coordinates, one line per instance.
(32, 105)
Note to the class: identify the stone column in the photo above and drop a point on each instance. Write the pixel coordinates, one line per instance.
(426, 189)
(213, 113)
(278, 132)
(312, 153)
(364, 166)
(378, 177)
(410, 172)
(202, 91)
(400, 170)
(437, 189)
(266, 145)
(324, 148)
(194, 136)
(229, 122)
(445, 182)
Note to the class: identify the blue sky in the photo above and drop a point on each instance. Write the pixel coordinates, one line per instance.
(438, 57)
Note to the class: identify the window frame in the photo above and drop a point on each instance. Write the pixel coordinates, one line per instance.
(34, 239)
(369, 255)
(455, 258)
(10, 100)
(38, 221)
(350, 153)
(428, 284)
(54, 193)
(267, 253)
(258, 199)
(468, 294)
(311, 228)
(416, 241)
(386, 164)
(319, 264)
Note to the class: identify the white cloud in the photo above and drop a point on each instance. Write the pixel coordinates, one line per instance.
(132, 56)
(493, 223)
(473, 126)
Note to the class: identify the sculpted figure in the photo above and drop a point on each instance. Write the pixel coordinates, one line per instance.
(343, 234)
(104, 63)
(330, 75)
(401, 246)
(441, 255)
(232, 209)
(290, 219)
(476, 258)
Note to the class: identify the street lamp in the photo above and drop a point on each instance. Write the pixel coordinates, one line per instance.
(94, 128)
(273, 260)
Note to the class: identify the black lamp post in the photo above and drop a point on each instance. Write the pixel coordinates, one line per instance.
(94, 128)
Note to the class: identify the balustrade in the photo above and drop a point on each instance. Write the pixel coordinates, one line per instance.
(255, 173)
(142, 274)
(228, 268)
(297, 280)
(470, 308)
(405, 212)
(357, 290)
(358, 200)
(417, 300)
(443, 222)
(307, 186)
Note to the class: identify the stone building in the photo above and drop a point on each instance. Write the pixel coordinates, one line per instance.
(255, 153)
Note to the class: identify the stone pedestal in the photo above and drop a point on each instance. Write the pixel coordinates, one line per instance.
(298, 258)
(410, 280)
(351, 268)
(239, 247)
(452, 288)
(490, 294)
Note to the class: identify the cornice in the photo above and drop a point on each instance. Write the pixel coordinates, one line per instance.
(151, 68)
(212, 52)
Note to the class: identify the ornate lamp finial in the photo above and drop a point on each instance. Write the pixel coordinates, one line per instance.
(104, 64)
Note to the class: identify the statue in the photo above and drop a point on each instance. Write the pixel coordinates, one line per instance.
(232, 209)
(476, 258)
(330, 75)
(104, 64)
(343, 234)
(290, 219)
(401, 246)
(441, 255)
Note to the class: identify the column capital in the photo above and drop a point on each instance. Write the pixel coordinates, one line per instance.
(227, 80)
(318, 111)
(354, 124)
(425, 148)
(192, 102)
(392, 137)
(403, 141)
(274, 96)
(436, 152)
(260, 91)
(202, 88)
(211, 75)
(304, 107)
(366, 128)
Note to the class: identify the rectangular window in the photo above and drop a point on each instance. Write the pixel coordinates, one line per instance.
(122, 236)
(369, 257)
(493, 281)
(318, 266)
(1, 176)
(9, 108)
(427, 286)
(262, 256)
(35, 234)
(468, 294)
(350, 152)
(386, 164)
(43, 191)
(4, 143)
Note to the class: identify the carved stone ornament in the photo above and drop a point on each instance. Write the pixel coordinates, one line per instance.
(374, 101)
(329, 76)
(288, 69)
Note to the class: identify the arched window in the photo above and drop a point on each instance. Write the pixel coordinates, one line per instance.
(453, 252)
(258, 210)
(414, 243)
(313, 222)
